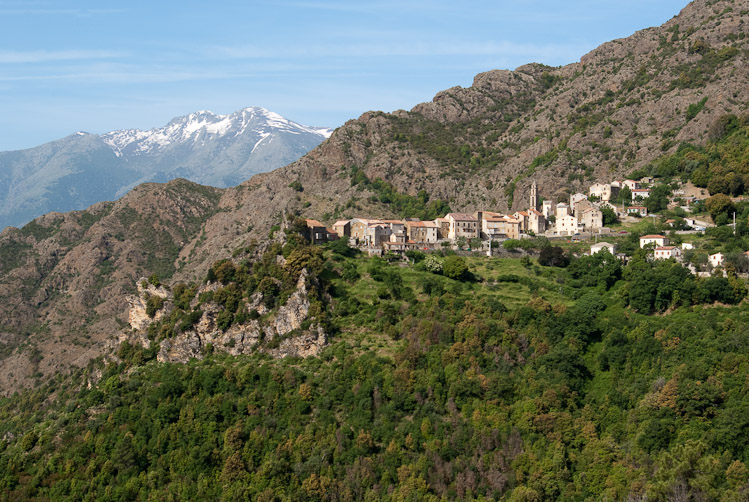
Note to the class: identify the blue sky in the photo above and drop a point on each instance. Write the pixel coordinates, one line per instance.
(97, 66)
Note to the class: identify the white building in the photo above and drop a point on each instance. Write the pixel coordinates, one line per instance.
(600, 246)
(547, 208)
(641, 210)
(666, 252)
(575, 198)
(562, 210)
(601, 190)
(658, 240)
(716, 260)
(643, 193)
(567, 225)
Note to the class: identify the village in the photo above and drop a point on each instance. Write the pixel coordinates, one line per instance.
(582, 218)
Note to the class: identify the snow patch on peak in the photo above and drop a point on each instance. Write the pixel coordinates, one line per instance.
(206, 126)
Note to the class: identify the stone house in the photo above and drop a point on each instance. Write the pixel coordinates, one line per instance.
(397, 227)
(377, 233)
(358, 228)
(316, 232)
(422, 231)
(497, 226)
(575, 198)
(536, 222)
(443, 228)
(581, 206)
(522, 217)
(591, 219)
(462, 225)
(342, 228)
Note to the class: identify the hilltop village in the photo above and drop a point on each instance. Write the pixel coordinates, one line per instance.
(583, 217)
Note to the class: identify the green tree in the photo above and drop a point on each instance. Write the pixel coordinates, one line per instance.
(609, 216)
(455, 267)
(553, 256)
(719, 204)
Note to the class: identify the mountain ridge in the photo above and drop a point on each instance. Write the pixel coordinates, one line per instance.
(217, 150)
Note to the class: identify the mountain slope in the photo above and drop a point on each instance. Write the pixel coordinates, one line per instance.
(625, 105)
(82, 169)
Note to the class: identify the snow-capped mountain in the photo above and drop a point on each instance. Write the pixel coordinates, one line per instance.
(201, 127)
(81, 169)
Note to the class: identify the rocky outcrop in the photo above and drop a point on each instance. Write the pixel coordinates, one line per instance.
(138, 317)
(280, 335)
(307, 344)
(291, 315)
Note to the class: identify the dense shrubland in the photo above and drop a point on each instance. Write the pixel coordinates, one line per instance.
(452, 378)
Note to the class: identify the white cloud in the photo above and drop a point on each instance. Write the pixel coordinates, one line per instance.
(12, 57)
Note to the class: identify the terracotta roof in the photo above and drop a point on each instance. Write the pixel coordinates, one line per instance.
(637, 207)
(665, 248)
(427, 224)
(536, 212)
(653, 237)
(314, 223)
(341, 222)
(640, 190)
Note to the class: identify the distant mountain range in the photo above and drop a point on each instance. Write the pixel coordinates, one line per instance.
(82, 169)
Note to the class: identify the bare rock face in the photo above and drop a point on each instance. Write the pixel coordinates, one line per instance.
(137, 316)
(239, 339)
(291, 315)
(309, 344)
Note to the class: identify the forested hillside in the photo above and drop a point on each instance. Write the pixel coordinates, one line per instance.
(453, 378)
(669, 100)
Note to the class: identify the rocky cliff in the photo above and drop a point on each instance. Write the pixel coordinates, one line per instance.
(281, 333)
